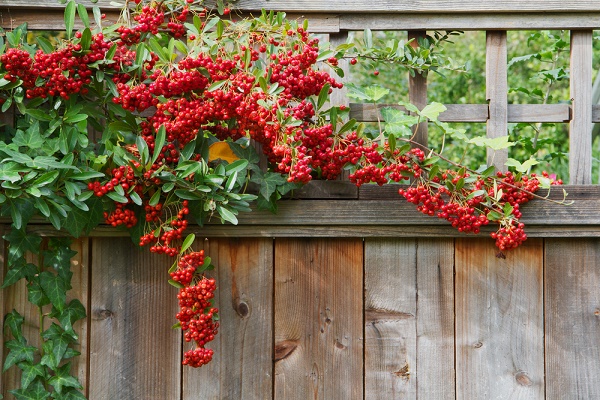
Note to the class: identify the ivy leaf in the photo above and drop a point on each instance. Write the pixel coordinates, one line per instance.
(14, 321)
(80, 222)
(57, 341)
(19, 271)
(19, 351)
(21, 242)
(269, 183)
(73, 312)
(55, 287)
(31, 139)
(35, 293)
(69, 394)
(36, 391)
(30, 372)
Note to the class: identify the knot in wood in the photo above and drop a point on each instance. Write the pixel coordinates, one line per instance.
(478, 345)
(242, 309)
(103, 314)
(523, 379)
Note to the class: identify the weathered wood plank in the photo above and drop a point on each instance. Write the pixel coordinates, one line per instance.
(349, 6)
(390, 319)
(499, 321)
(53, 19)
(134, 353)
(242, 367)
(580, 133)
(435, 319)
(478, 112)
(466, 21)
(417, 92)
(318, 319)
(572, 309)
(409, 338)
(496, 82)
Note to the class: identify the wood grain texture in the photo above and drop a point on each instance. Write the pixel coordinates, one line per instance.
(134, 353)
(466, 21)
(572, 309)
(580, 133)
(496, 93)
(242, 366)
(409, 319)
(390, 319)
(318, 319)
(499, 321)
(413, 6)
(435, 319)
(478, 112)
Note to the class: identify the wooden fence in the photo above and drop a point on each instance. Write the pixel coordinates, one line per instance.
(350, 294)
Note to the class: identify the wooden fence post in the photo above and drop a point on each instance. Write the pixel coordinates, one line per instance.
(417, 90)
(496, 92)
(580, 136)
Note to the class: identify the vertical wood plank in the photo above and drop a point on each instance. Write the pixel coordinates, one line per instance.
(435, 319)
(318, 319)
(340, 96)
(3, 270)
(499, 321)
(390, 319)
(580, 134)
(409, 324)
(572, 302)
(134, 353)
(242, 366)
(496, 82)
(417, 91)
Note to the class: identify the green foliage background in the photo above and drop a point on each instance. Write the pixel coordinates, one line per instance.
(538, 67)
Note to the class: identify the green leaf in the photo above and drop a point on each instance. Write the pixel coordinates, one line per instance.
(216, 85)
(35, 391)
(117, 197)
(45, 44)
(187, 243)
(154, 199)
(83, 14)
(269, 183)
(143, 149)
(87, 175)
(55, 288)
(35, 293)
(74, 311)
(176, 284)
(21, 242)
(323, 96)
(19, 351)
(47, 162)
(45, 179)
(18, 272)
(62, 378)
(70, 17)
(236, 166)
(80, 222)
(14, 321)
(30, 372)
(39, 114)
(432, 111)
(159, 142)
(227, 215)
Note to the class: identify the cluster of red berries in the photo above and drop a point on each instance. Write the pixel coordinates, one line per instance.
(197, 319)
(121, 216)
(172, 229)
(187, 266)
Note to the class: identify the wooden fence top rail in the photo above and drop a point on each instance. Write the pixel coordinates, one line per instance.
(384, 6)
(49, 16)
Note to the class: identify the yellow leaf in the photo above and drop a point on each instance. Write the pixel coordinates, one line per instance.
(221, 150)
